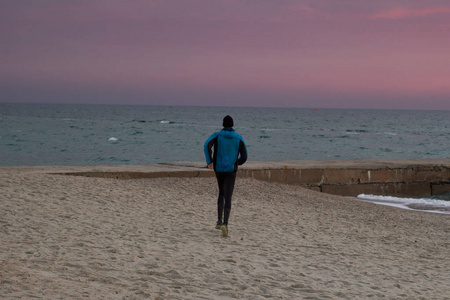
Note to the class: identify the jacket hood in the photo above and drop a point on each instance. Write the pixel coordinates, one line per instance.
(227, 133)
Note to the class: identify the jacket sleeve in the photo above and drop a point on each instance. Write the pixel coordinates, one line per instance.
(207, 148)
(242, 152)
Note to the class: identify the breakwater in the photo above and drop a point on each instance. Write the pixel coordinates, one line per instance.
(351, 178)
(411, 178)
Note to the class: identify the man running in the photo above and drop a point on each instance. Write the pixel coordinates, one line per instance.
(229, 152)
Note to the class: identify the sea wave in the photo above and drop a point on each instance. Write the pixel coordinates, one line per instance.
(428, 201)
(422, 204)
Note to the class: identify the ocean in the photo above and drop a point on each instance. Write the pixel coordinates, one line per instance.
(49, 134)
(54, 134)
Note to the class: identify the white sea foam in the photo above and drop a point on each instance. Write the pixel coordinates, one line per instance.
(426, 201)
(424, 204)
(164, 122)
(113, 139)
(272, 129)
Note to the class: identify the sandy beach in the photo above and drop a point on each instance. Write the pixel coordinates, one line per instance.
(78, 237)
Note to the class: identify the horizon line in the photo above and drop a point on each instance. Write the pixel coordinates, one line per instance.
(3, 104)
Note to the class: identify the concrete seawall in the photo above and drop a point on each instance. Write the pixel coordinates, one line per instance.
(348, 178)
(351, 178)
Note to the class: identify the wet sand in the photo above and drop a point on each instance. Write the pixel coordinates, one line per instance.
(75, 237)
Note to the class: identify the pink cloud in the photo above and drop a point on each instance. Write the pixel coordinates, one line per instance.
(402, 13)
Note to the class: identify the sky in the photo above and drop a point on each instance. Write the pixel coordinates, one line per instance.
(383, 54)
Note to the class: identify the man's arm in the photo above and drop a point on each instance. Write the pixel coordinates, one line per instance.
(242, 153)
(207, 148)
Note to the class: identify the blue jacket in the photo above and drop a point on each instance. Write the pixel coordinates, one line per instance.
(229, 150)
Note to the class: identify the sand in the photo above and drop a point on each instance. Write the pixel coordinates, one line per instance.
(78, 237)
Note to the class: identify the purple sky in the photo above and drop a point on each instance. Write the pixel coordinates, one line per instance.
(392, 54)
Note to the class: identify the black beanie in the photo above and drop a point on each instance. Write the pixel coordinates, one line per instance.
(228, 121)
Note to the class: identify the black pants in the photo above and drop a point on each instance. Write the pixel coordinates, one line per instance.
(225, 181)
